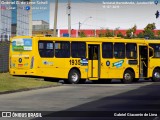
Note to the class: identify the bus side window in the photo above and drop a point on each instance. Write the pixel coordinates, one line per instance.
(78, 49)
(156, 48)
(46, 49)
(131, 50)
(95, 53)
(62, 49)
(107, 50)
(119, 50)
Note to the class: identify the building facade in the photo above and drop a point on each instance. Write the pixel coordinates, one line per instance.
(21, 19)
(5, 21)
(40, 25)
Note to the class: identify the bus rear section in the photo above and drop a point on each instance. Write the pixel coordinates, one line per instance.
(21, 57)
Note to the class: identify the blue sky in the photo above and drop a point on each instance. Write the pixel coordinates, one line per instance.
(41, 14)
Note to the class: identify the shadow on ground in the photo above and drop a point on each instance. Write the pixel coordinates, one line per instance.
(143, 100)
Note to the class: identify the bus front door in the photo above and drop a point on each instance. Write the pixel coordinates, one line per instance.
(143, 61)
(93, 61)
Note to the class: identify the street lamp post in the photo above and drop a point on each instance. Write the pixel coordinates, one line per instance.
(81, 23)
(55, 19)
(69, 17)
(116, 29)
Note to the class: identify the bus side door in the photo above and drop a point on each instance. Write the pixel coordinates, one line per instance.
(93, 61)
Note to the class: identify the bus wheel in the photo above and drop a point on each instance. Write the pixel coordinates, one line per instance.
(128, 76)
(74, 76)
(156, 75)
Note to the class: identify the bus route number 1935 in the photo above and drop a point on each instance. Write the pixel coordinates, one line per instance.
(74, 62)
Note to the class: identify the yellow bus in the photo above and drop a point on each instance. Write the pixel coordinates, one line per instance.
(78, 59)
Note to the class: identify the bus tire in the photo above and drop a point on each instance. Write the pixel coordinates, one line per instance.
(74, 77)
(128, 76)
(156, 75)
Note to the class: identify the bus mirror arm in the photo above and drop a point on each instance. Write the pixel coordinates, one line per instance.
(151, 52)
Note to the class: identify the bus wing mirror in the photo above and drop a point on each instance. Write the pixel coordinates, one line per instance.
(151, 52)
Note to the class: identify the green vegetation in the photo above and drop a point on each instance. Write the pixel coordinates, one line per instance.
(148, 32)
(131, 32)
(120, 35)
(107, 33)
(82, 34)
(11, 83)
(140, 35)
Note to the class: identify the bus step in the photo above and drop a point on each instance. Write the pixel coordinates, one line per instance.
(141, 75)
(93, 78)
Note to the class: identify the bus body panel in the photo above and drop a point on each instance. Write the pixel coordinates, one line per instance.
(154, 61)
(29, 62)
(114, 68)
(22, 56)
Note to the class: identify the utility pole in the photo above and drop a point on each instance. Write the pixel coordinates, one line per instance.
(82, 24)
(79, 25)
(30, 19)
(55, 18)
(69, 18)
(79, 29)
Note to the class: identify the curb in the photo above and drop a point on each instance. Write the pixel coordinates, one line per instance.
(28, 89)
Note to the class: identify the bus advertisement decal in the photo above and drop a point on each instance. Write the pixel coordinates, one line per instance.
(47, 62)
(22, 44)
(118, 64)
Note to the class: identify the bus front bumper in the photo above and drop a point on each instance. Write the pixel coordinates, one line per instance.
(21, 72)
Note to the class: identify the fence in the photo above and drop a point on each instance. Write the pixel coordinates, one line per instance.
(4, 53)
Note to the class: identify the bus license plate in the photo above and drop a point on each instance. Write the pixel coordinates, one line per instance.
(20, 65)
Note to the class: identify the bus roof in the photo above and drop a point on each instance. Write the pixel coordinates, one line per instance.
(90, 39)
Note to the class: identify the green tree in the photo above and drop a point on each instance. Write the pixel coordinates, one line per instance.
(82, 34)
(148, 31)
(129, 33)
(101, 34)
(151, 26)
(134, 29)
(140, 35)
(108, 33)
(158, 33)
(120, 34)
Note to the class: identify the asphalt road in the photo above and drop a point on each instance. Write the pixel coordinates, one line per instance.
(94, 101)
